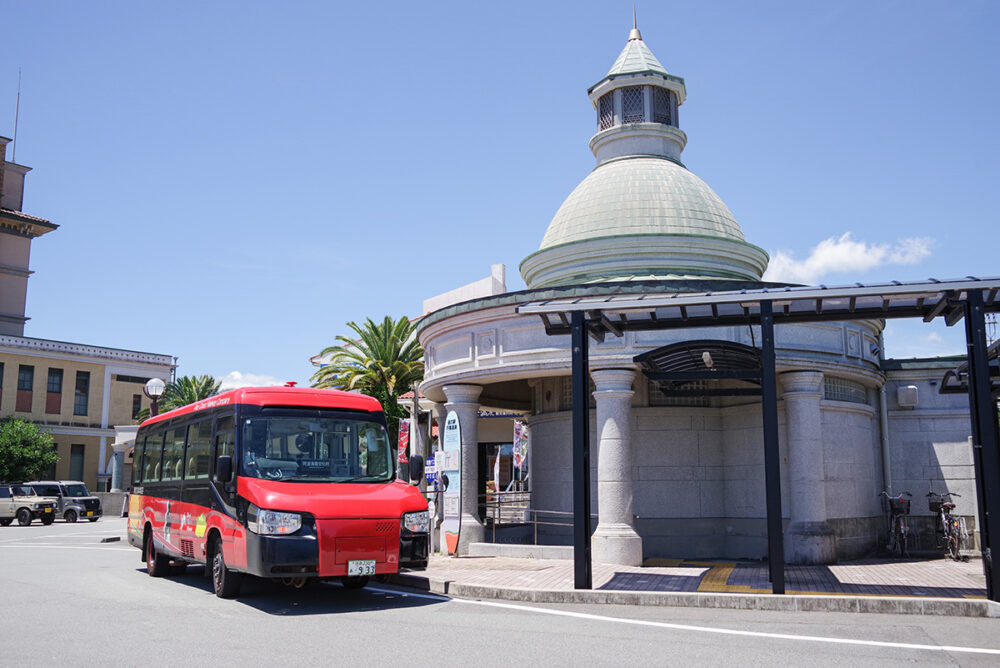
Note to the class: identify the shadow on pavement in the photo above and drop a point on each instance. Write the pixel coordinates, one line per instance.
(318, 598)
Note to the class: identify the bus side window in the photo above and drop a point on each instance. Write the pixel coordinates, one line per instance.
(140, 449)
(152, 464)
(173, 454)
(223, 439)
(199, 440)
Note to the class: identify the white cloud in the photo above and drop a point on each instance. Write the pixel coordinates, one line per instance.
(235, 379)
(844, 254)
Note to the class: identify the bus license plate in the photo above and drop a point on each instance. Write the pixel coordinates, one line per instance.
(361, 567)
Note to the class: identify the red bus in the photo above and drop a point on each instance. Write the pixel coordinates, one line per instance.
(278, 482)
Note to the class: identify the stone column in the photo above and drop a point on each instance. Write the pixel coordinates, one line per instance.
(615, 540)
(118, 467)
(464, 400)
(808, 538)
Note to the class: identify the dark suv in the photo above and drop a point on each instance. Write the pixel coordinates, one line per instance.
(75, 502)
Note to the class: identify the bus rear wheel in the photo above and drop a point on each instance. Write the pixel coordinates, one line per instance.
(157, 564)
(225, 582)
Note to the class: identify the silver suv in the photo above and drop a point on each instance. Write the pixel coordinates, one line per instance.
(20, 502)
(75, 502)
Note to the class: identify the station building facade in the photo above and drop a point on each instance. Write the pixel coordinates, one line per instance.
(77, 392)
(683, 477)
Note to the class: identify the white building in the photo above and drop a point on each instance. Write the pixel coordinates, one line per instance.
(683, 477)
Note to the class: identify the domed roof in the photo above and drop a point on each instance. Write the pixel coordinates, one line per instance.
(640, 196)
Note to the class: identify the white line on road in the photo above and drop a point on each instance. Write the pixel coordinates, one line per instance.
(702, 629)
(69, 547)
(63, 535)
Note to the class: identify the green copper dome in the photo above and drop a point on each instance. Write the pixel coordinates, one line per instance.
(641, 195)
(636, 57)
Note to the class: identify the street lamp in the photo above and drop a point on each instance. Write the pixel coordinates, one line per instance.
(154, 390)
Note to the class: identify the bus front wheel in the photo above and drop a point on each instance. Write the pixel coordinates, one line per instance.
(354, 581)
(225, 582)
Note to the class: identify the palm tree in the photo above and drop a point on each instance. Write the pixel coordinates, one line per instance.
(384, 360)
(183, 391)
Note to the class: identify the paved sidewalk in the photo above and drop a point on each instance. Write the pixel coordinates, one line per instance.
(912, 586)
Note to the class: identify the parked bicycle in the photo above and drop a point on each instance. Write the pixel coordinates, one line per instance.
(951, 531)
(900, 537)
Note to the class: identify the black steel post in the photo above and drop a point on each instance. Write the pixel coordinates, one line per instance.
(581, 454)
(772, 456)
(986, 456)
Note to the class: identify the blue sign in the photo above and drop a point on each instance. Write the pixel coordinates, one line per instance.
(429, 472)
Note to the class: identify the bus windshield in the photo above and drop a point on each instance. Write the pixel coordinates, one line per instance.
(300, 449)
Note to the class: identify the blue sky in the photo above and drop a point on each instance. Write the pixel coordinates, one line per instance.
(236, 180)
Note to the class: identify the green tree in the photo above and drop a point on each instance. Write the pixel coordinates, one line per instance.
(383, 360)
(183, 391)
(26, 451)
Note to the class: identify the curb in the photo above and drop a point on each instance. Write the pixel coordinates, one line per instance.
(894, 605)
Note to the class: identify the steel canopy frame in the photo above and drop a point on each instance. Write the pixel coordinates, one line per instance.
(953, 300)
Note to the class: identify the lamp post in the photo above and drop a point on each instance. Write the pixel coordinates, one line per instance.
(154, 390)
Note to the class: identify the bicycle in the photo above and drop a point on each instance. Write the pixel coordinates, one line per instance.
(899, 534)
(951, 531)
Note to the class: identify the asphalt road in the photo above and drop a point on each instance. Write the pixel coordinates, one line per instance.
(67, 597)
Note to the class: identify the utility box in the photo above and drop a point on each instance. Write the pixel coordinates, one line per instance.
(907, 396)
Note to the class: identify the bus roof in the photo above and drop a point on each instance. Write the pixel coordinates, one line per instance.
(276, 396)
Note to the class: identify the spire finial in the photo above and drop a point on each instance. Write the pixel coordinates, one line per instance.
(635, 34)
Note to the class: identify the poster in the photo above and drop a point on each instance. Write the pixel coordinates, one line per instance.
(449, 463)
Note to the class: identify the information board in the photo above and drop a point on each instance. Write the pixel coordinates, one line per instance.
(449, 463)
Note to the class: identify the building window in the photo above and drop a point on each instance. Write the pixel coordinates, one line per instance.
(633, 105)
(25, 381)
(53, 394)
(606, 111)
(136, 405)
(81, 397)
(662, 106)
(567, 393)
(50, 472)
(840, 389)
(77, 453)
(657, 398)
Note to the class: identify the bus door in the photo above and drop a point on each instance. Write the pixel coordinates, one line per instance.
(195, 493)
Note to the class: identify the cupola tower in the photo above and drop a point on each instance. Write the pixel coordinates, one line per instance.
(641, 214)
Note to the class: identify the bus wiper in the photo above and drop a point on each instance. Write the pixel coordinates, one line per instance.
(356, 478)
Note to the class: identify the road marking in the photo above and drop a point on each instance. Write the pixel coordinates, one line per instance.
(69, 547)
(702, 629)
(61, 535)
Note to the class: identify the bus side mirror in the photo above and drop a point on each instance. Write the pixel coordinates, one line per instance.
(416, 468)
(223, 469)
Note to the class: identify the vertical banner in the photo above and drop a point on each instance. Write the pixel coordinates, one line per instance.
(404, 441)
(520, 444)
(450, 465)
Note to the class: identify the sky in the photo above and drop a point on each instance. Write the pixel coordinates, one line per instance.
(235, 181)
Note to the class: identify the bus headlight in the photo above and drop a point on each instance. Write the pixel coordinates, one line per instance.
(418, 522)
(272, 522)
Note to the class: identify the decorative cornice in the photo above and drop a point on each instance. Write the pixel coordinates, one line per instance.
(609, 257)
(25, 345)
